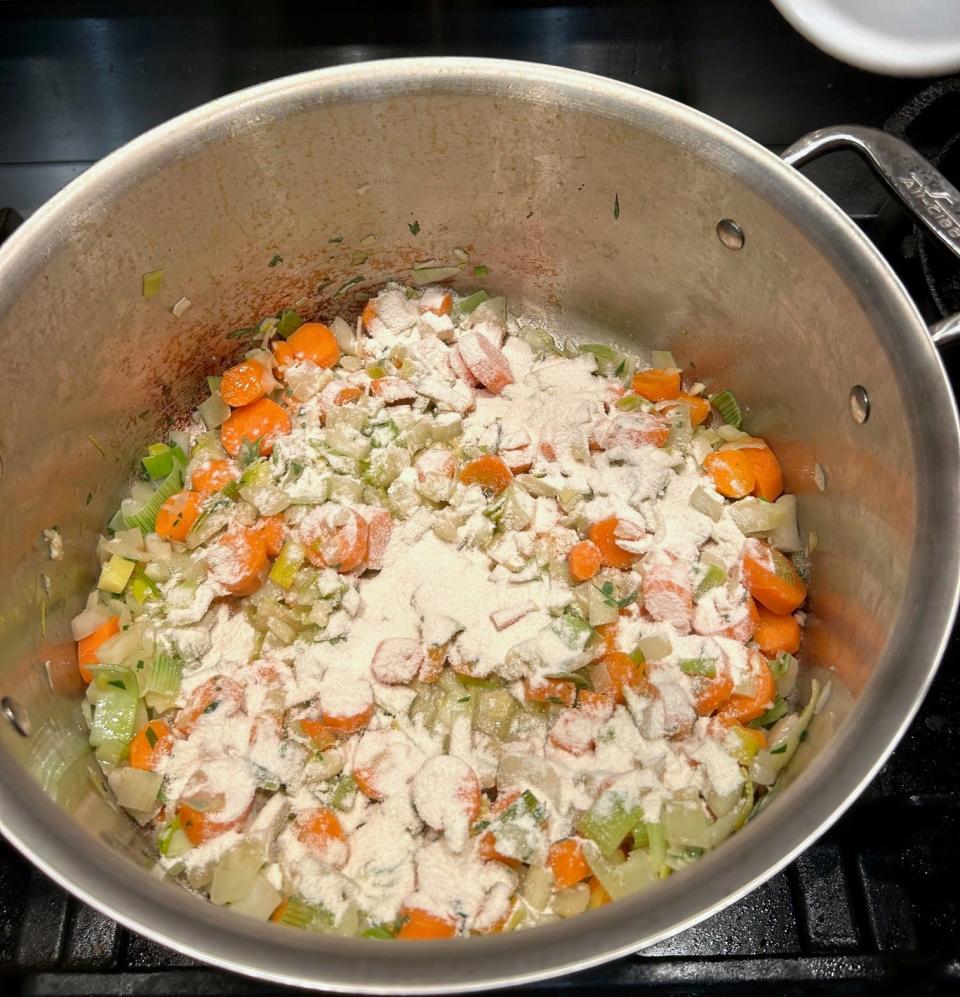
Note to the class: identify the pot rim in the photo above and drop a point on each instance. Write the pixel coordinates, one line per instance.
(48, 836)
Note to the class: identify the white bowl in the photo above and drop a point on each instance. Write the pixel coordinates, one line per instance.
(896, 37)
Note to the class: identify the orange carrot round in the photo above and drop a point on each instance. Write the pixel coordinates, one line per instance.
(767, 471)
(212, 476)
(274, 530)
(348, 724)
(732, 472)
(657, 385)
(775, 633)
(584, 560)
(603, 534)
(243, 384)
(87, 646)
(771, 579)
(489, 472)
(698, 405)
(316, 828)
(262, 421)
(741, 709)
(420, 925)
(177, 515)
(614, 671)
(322, 736)
(150, 744)
(369, 314)
(598, 895)
(542, 690)
(335, 538)
(217, 693)
(313, 341)
(201, 826)
(711, 693)
(239, 560)
(565, 859)
(608, 632)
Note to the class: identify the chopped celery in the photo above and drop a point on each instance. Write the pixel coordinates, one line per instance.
(214, 411)
(135, 789)
(729, 408)
(704, 502)
(381, 931)
(631, 403)
(299, 914)
(466, 305)
(115, 574)
(745, 746)
(572, 630)
(539, 340)
(781, 664)
(703, 667)
(143, 587)
(608, 359)
(112, 752)
(146, 517)
(657, 846)
(712, 577)
(609, 821)
(753, 515)
(620, 879)
(481, 271)
(432, 275)
(114, 717)
(158, 462)
(344, 793)
(287, 564)
(165, 676)
(288, 321)
(772, 715)
(493, 712)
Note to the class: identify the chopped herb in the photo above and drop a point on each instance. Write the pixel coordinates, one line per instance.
(150, 736)
(381, 931)
(779, 749)
(636, 656)
(772, 715)
(249, 452)
(358, 258)
(96, 443)
(117, 683)
(703, 667)
(481, 825)
(804, 734)
(276, 259)
(210, 707)
(621, 368)
(88, 499)
(246, 333)
(322, 287)
(464, 699)
(627, 599)
(481, 271)
(140, 665)
(414, 227)
(579, 680)
(616, 205)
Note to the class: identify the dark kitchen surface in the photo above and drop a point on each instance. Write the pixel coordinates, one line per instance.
(873, 907)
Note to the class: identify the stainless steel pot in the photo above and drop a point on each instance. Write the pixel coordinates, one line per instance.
(592, 202)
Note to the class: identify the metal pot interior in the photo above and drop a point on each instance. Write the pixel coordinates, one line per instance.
(592, 204)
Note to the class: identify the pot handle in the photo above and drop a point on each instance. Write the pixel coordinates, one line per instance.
(932, 199)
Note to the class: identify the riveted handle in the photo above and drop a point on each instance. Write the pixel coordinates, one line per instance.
(931, 198)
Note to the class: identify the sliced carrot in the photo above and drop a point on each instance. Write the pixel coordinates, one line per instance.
(420, 925)
(366, 780)
(614, 671)
(584, 560)
(277, 915)
(87, 646)
(541, 690)
(337, 393)
(488, 841)
(775, 633)
(316, 828)
(262, 421)
(603, 534)
(767, 471)
(771, 579)
(238, 560)
(433, 662)
(711, 693)
(348, 724)
(732, 472)
(489, 472)
(657, 385)
(597, 705)
(321, 736)
(178, 514)
(598, 895)
(243, 384)
(565, 859)
(212, 476)
(150, 744)
(274, 530)
(201, 827)
(486, 362)
(393, 390)
(741, 709)
(219, 693)
(379, 530)
(698, 405)
(335, 538)
(668, 593)
(608, 631)
(369, 314)
(313, 341)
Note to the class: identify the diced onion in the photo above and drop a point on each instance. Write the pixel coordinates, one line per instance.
(663, 360)
(135, 789)
(214, 412)
(236, 873)
(83, 624)
(753, 515)
(262, 900)
(654, 648)
(704, 502)
(537, 886)
(786, 537)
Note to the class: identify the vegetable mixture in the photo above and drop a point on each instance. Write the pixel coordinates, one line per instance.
(431, 626)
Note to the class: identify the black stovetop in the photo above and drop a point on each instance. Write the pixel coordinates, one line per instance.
(872, 907)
